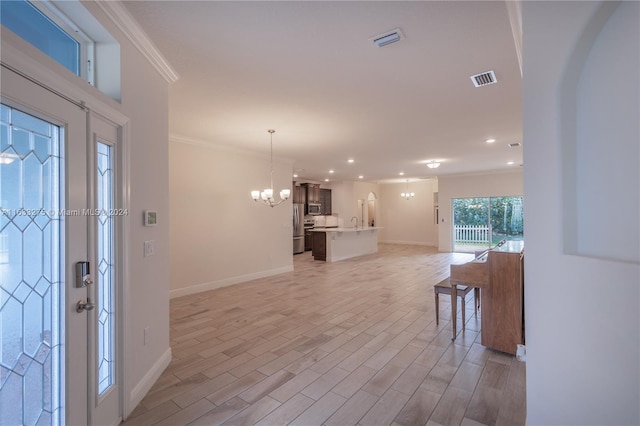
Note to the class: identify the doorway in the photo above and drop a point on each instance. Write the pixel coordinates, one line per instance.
(60, 328)
(482, 222)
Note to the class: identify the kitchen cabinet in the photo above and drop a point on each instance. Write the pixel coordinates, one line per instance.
(299, 195)
(313, 192)
(319, 250)
(308, 239)
(325, 201)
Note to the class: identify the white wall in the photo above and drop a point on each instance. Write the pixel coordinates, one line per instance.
(145, 101)
(219, 235)
(582, 313)
(408, 221)
(487, 185)
(345, 196)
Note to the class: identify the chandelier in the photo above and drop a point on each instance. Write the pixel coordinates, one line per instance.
(407, 195)
(266, 196)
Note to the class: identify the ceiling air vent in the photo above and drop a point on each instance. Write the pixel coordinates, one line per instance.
(515, 145)
(484, 79)
(387, 38)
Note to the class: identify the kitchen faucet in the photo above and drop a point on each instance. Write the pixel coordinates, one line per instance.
(356, 218)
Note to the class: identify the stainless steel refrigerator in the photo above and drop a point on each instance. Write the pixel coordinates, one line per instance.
(298, 228)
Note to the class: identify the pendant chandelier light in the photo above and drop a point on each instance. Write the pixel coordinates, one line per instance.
(407, 195)
(266, 196)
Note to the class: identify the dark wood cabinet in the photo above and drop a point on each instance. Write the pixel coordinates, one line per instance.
(308, 239)
(319, 246)
(325, 201)
(299, 194)
(312, 192)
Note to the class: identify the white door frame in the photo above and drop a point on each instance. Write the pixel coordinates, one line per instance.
(75, 91)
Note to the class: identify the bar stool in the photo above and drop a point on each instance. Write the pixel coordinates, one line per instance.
(444, 287)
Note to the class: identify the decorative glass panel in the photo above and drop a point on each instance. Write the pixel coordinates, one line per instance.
(31, 277)
(106, 276)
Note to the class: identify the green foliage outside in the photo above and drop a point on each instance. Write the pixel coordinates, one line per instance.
(506, 215)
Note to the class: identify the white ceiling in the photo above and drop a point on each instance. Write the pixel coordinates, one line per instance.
(309, 70)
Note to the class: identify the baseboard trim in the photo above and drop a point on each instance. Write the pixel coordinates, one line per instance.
(199, 288)
(140, 390)
(411, 243)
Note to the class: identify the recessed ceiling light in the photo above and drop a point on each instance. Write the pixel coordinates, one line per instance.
(510, 163)
(490, 140)
(350, 160)
(360, 177)
(331, 171)
(401, 173)
(326, 180)
(295, 175)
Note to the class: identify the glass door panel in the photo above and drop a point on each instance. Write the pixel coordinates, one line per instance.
(105, 278)
(481, 223)
(471, 230)
(507, 219)
(31, 277)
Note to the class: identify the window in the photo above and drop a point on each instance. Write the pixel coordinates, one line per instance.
(479, 223)
(49, 30)
(68, 33)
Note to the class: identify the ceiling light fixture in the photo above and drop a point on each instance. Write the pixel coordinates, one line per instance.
(433, 164)
(407, 195)
(350, 160)
(401, 173)
(490, 140)
(326, 180)
(360, 177)
(331, 171)
(266, 196)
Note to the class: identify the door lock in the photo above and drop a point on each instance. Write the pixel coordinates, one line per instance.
(83, 275)
(85, 306)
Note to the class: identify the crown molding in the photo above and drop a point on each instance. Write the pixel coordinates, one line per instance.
(120, 16)
(514, 9)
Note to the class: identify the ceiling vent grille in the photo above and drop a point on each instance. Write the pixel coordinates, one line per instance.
(515, 145)
(387, 38)
(484, 79)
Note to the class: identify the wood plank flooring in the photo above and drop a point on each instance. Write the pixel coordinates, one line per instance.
(347, 343)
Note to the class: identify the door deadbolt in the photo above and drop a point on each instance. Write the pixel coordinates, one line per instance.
(83, 274)
(85, 306)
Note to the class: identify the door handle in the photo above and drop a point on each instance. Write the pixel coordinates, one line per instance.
(85, 306)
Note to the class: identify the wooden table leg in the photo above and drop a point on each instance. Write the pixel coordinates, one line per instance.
(454, 308)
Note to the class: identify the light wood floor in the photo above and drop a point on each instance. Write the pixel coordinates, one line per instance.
(345, 343)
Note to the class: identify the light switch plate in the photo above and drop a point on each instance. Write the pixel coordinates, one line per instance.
(148, 248)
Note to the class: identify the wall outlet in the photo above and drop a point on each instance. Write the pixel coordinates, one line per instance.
(145, 336)
(148, 248)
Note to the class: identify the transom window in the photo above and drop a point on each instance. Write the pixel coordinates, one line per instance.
(48, 29)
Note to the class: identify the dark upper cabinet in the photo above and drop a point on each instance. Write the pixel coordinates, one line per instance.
(313, 192)
(299, 194)
(325, 201)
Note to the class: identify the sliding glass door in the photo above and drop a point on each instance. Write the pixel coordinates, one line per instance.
(482, 222)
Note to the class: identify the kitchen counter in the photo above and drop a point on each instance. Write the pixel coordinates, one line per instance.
(350, 229)
(344, 243)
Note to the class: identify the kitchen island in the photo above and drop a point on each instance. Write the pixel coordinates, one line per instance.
(335, 244)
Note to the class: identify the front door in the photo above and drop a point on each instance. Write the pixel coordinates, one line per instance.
(52, 324)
